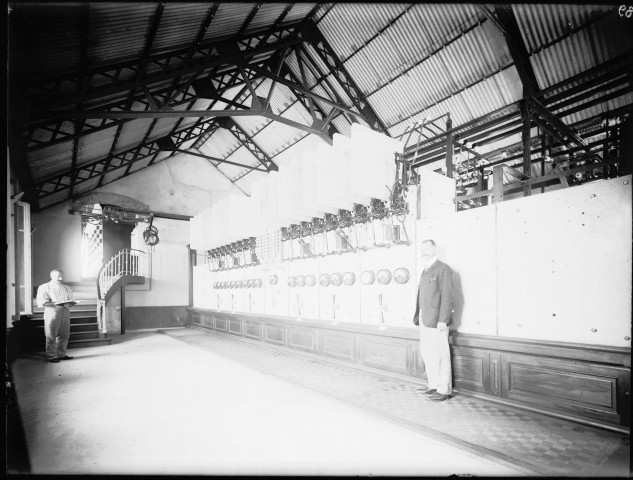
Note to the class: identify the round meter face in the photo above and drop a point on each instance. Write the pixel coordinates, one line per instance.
(249, 283)
(384, 276)
(310, 281)
(324, 280)
(349, 278)
(368, 277)
(292, 281)
(336, 279)
(258, 283)
(401, 275)
(301, 281)
(273, 279)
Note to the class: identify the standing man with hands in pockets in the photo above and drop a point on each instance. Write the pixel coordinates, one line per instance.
(56, 298)
(433, 315)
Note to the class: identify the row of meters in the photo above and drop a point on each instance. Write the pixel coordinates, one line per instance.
(368, 277)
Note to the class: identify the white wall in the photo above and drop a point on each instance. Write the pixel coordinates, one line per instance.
(169, 264)
(553, 267)
(183, 185)
(56, 244)
(10, 252)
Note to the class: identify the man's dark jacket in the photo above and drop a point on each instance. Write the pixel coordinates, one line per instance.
(435, 295)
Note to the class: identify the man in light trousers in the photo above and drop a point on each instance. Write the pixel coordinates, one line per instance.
(56, 298)
(433, 314)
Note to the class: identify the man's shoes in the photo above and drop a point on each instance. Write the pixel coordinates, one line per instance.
(439, 397)
(54, 360)
(427, 391)
(66, 357)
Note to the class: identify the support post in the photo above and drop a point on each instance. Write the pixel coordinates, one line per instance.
(449, 148)
(122, 309)
(527, 152)
(481, 186)
(497, 187)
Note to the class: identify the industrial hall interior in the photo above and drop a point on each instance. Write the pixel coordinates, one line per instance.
(314, 239)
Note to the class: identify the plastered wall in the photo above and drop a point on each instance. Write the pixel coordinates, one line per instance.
(56, 243)
(169, 266)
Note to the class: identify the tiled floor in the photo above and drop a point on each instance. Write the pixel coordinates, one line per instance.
(540, 443)
(193, 401)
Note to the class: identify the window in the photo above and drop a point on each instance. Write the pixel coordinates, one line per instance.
(91, 243)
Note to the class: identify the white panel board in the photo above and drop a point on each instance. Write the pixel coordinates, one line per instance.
(564, 262)
(466, 241)
(372, 162)
(330, 183)
(198, 286)
(316, 184)
(436, 194)
(276, 294)
(340, 303)
(303, 297)
(393, 303)
(343, 167)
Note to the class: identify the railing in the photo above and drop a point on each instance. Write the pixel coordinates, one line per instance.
(127, 261)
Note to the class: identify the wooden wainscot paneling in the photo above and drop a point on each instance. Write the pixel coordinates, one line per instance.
(207, 320)
(275, 334)
(196, 318)
(471, 369)
(384, 354)
(302, 338)
(235, 326)
(220, 323)
(337, 345)
(564, 386)
(253, 330)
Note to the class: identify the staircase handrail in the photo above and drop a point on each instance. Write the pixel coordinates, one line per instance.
(127, 261)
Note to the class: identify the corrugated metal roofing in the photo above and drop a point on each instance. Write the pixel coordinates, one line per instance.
(543, 23)
(118, 30)
(267, 15)
(586, 48)
(37, 53)
(411, 61)
(228, 20)
(179, 25)
(299, 11)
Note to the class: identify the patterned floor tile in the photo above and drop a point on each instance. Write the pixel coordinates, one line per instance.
(550, 446)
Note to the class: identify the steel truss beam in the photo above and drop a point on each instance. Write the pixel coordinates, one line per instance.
(250, 145)
(326, 54)
(130, 100)
(126, 158)
(120, 78)
(556, 97)
(506, 21)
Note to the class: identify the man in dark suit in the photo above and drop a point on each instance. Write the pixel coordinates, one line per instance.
(433, 315)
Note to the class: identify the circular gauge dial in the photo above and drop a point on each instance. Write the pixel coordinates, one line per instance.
(258, 282)
(310, 280)
(273, 279)
(384, 276)
(301, 281)
(336, 279)
(324, 279)
(349, 278)
(292, 281)
(368, 277)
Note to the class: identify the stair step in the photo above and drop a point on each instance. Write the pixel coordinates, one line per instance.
(39, 322)
(97, 342)
(38, 337)
(74, 327)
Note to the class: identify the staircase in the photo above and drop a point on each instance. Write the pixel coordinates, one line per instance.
(84, 328)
